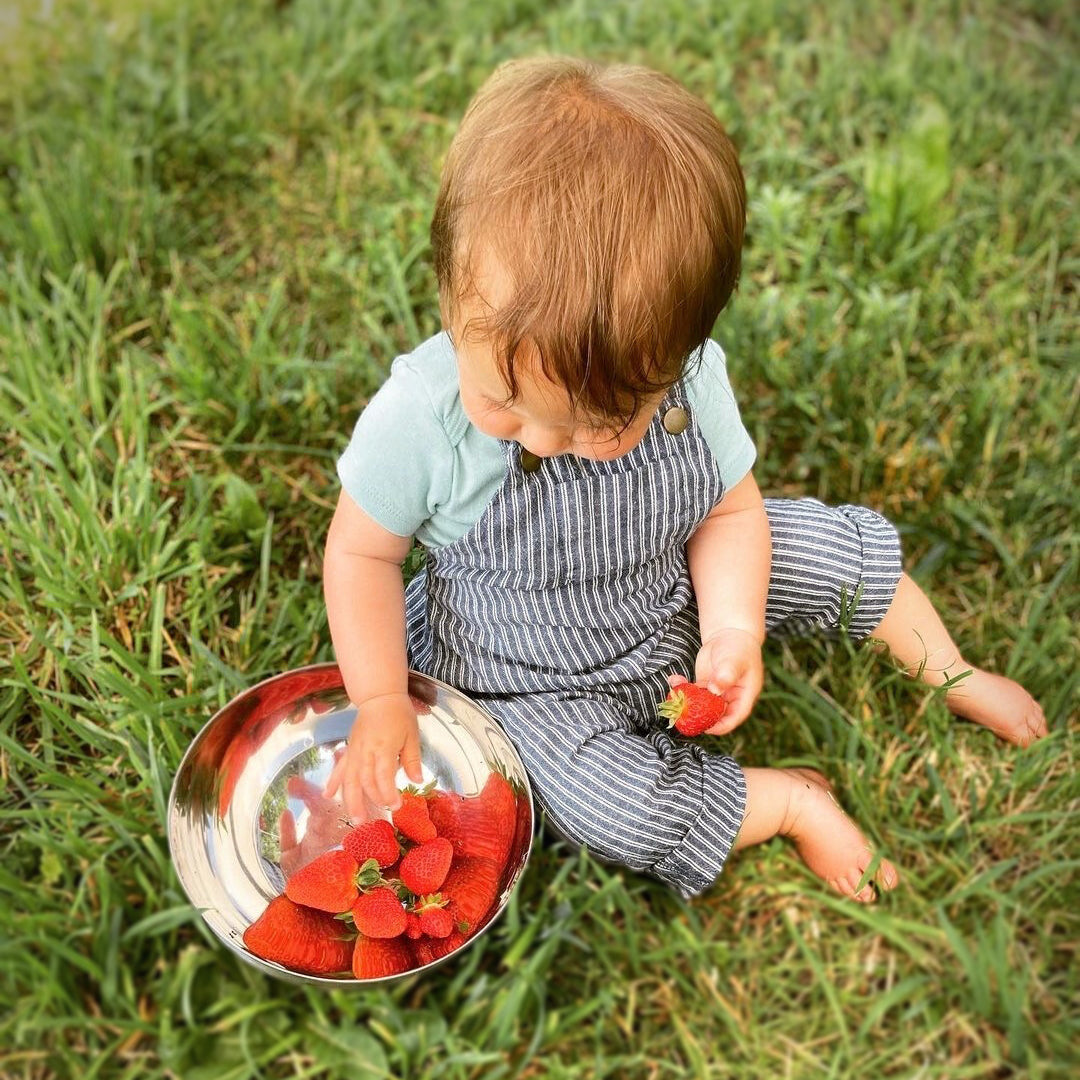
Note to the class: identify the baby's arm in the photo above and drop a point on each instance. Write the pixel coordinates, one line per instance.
(365, 606)
(730, 556)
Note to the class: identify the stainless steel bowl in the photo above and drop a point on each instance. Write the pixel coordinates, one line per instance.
(246, 807)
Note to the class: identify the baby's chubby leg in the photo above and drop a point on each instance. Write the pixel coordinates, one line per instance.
(917, 637)
(799, 804)
(825, 558)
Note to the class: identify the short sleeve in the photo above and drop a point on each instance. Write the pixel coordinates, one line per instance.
(398, 464)
(718, 417)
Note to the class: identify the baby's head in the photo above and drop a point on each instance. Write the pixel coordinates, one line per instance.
(587, 232)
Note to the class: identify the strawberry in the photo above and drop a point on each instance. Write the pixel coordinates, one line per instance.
(412, 926)
(373, 840)
(434, 919)
(379, 913)
(470, 889)
(490, 820)
(300, 938)
(444, 808)
(327, 883)
(437, 922)
(427, 949)
(424, 867)
(480, 826)
(523, 825)
(376, 958)
(411, 819)
(692, 709)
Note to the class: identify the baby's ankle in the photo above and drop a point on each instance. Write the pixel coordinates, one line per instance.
(948, 669)
(800, 789)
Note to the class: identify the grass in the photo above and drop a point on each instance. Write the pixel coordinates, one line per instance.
(212, 243)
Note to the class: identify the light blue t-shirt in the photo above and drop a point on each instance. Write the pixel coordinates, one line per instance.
(417, 465)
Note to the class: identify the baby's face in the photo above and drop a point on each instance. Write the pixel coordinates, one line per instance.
(542, 417)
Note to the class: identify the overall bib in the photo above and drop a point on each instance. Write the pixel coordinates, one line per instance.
(568, 603)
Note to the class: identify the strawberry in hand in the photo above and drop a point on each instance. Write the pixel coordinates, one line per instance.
(729, 663)
(692, 709)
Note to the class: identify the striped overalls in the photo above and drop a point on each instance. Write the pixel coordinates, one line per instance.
(566, 606)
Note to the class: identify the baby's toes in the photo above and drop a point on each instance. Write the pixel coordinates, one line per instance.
(1032, 727)
(866, 895)
(848, 885)
(887, 876)
(1037, 723)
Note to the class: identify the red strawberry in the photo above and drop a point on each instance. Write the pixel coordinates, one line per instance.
(523, 825)
(373, 840)
(327, 883)
(379, 913)
(482, 826)
(444, 808)
(411, 819)
(487, 822)
(424, 867)
(412, 926)
(524, 811)
(427, 949)
(434, 919)
(437, 922)
(692, 709)
(375, 958)
(300, 938)
(470, 889)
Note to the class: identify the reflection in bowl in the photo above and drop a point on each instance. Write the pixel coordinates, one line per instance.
(247, 812)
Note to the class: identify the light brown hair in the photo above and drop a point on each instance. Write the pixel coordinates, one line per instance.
(613, 198)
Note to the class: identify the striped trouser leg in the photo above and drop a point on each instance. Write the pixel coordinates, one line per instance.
(834, 568)
(659, 805)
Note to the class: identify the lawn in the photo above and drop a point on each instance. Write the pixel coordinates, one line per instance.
(213, 242)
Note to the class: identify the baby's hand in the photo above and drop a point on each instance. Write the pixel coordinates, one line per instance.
(729, 663)
(385, 732)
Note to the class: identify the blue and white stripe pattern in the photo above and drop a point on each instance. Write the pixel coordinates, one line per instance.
(566, 606)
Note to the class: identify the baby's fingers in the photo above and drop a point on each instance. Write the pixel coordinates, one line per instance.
(377, 775)
(740, 703)
(410, 758)
(722, 677)
(729, 723)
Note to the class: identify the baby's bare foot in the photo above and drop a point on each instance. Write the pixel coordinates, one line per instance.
(999, 704)
(829, 842)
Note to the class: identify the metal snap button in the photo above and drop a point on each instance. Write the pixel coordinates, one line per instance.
(675, 420)
(530, 462)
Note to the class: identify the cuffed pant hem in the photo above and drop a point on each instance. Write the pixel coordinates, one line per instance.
(696, 863)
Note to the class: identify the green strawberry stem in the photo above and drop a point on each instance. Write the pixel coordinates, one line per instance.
(672, 707)
(369, 876)
(424, 792)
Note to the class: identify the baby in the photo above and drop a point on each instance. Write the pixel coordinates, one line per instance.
(569, 453)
